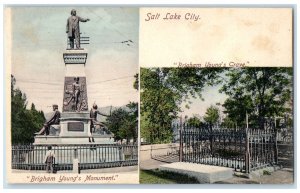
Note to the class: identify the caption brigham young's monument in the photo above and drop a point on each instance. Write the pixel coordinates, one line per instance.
(76, 124)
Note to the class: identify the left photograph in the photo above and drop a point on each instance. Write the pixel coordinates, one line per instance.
(73, 110)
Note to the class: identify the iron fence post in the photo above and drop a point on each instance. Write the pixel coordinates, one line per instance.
(75, 153)
(121, 158)
(247, 156)
(28, 159)
(211, 138)
(275, 144)
(180, 142)
(76, 164)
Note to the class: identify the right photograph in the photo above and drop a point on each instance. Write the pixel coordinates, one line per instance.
(216, 125)
(217, 96)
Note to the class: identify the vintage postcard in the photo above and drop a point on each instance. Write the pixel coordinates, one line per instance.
(73, 94)
(149, 95)
(216, 94)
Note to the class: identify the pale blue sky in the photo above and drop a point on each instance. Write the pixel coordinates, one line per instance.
(38, 42)
(210, 95)
(39, 39)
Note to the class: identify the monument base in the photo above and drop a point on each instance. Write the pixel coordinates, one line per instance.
(72, 140)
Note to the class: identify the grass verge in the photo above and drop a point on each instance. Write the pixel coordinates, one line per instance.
(163, 177)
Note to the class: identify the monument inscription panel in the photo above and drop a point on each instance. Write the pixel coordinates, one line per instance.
(76, 126)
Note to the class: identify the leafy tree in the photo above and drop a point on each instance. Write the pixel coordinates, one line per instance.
(131, 122)
(194, 120)
(212, 115)
(24, 122)
(163, 90)
(228, 123)
(237, 107)
(115, 121)
(261, 92)
(124, 123)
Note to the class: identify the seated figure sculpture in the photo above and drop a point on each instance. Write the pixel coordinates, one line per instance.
(53, 122)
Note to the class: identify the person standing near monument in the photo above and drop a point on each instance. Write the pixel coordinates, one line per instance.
(72, 29)
(49, 160)
(54, 120)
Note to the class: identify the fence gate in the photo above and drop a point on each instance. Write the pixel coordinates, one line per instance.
(244, 150)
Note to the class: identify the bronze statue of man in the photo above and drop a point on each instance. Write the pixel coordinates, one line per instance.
(76, 93)
(73, 30)
(54, 120)
(76, 89)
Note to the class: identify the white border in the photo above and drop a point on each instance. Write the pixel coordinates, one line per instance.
(137, 3)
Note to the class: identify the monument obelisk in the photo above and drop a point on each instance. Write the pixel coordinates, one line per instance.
(75, 121)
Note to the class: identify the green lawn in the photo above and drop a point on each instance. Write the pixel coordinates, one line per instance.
(163, 177)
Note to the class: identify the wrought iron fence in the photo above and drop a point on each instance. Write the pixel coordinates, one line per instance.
(31, 157)
(285, 136)
(244, 150)
(167, 153)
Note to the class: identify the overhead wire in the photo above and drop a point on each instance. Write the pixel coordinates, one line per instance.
(58, 83)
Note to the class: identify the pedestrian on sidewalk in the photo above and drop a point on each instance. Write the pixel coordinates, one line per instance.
(49, 160)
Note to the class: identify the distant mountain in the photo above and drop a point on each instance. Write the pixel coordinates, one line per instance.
(106, 110)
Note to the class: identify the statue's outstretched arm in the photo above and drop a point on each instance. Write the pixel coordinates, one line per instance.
(83, 20)
(98, 112)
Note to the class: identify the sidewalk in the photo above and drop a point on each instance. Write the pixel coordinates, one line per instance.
(127, 169)
(150, 164)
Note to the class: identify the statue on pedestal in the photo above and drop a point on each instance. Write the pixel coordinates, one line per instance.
(97, 125)
(54, 121)
(72, 29)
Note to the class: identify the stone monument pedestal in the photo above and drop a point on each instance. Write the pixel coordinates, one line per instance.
(75, 117)
(75, 124)
(74, 129)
